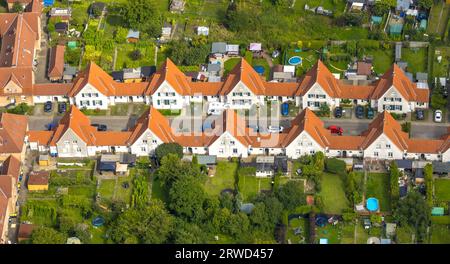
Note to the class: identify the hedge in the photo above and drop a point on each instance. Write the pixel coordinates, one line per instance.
(441, 220)
(336, 166)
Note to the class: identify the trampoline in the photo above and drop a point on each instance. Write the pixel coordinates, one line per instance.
(295, 60)
(372, 204)
(98, 221)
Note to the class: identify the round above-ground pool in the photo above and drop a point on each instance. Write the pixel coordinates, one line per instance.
(295, 60)
(372, 204)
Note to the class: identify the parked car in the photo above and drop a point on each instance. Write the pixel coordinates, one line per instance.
(215, 111)
(48, 106)
(420, 114)
(359, 111)
(370, 113)
(338, 112)
(100, 127)
(62, 107)
(285, 109)
(275, 129)
(336, 130)
(438, 116)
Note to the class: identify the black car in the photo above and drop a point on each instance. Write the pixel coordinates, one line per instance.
(48, 107)
(359, 111)
(338, 112)
(100, 127)
(420, 115)
(62, 107)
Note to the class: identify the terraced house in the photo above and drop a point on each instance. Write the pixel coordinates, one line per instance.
(230, 137)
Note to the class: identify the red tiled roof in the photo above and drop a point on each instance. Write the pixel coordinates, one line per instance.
(281, 89)
(38, 178)
(170, 73)
(49, 89)
(153, 120)
(320, 74)
(12, 132)
(244, 72)
(11, 167)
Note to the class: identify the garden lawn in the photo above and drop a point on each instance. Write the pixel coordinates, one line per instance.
(250, 186)
(404, 235)
(348, 234)
(333, 233)
(229, 65)
(158, 191)
(224, 178)
(382, 59)
(119, 109)
(333, 194)
(262, 62)
(87, 191)
(416, 58)
(106, 189)
(442, 189)
(302, 238)
(378, 186)
(440, 69)
(437, 23)
(122, 193)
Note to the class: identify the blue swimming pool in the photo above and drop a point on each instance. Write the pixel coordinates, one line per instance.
(296, 60)
(372, 204)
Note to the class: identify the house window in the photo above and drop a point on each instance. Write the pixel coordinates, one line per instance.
(74, 142)
(375, 154)
(143, 149)
(312, 151)
(144, 141)
(378, 146)
(388, 146)
(66, 142)
(221, 151)
(232, 142)
(235, 151)
(390, 154)
(154, 141)
(78, 149)
(298, 151)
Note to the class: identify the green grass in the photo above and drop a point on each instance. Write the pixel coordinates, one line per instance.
(170, 112)
(158, 191)
(403, 235)
(224, 178)
(106, 189)
(416, 58)
(262, 62)
(84, 190)
(139, 109)
(333, 233)
(333, 193)
(229, 65)
(437, 24)
(440, 69)
(382, 59)
(250, 186)
(442, 189)
(361, 234)
(122, 193)
(119, 109)
(94, 112)
(378, 186)
(302, 238)
(440, 234)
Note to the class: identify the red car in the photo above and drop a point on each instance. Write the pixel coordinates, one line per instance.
(336, 130)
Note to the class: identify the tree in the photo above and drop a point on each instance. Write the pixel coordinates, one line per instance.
(17, 7)
(168, 148)
(438, 101)
(186, 198)
(139, 196)
(394, 175)
(237, 224)
(324, 110)
(413, 211)
(120, 35)
(46, 235)
(187, 233)
(291, 195)
(425, 4)
(143, 15)
(352, 189)
(136, 55)
(319, 160)
(428, 175)
(382, 7)
(150, 225)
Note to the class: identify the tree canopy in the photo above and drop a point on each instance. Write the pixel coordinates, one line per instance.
(168, 148)
(46, 235)
(151, 224)
(186, 198)
(413, 211)
(143, 15)
(291, 195)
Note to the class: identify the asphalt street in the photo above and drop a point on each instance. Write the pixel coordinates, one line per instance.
(350, 126)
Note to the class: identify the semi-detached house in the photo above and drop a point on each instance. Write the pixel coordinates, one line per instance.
(169, 88)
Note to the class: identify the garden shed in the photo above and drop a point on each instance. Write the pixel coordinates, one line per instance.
(376, 20)
(404, 164)
(38, 181)
(232, 49)
(437, 211)
(108, 163)
(132, 36)
(219, 47)
(43, 160)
